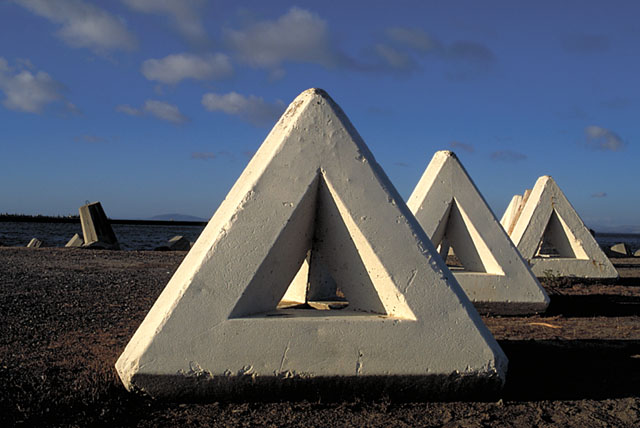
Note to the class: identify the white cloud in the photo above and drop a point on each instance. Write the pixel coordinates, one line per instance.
(299, 36)
(174, 68)
(253, 109)
(603, 139)
(165, 111)
(83, 25)
(185, 14)
(26, 91)
(160, 109)
(395, 58)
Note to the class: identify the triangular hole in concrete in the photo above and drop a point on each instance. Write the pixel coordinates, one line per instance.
(329, 273)
(460, 244)
(558, 241)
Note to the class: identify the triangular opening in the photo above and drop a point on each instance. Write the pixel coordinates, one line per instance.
(324, 275)
(461, 245)
(558, 241)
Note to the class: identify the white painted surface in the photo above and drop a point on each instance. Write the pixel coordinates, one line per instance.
(547, 213)
(218, 316)
(448, 205)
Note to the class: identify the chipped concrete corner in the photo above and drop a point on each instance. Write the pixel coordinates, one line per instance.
(313, 194)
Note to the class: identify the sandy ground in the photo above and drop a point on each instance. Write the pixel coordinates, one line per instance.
(67, 314)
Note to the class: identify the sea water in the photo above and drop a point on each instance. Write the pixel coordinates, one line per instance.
(148, 237)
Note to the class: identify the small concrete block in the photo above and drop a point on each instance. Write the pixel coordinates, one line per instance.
(619, 250)
(96, 228)
(75, 242)
(34, 243)
(637, 253)
(177, 243)
(548, 221)
(450, 209)
(313, 191)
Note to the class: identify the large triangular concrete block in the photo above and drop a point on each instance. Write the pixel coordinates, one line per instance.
(218, 330)
(552, 237)
(454, 214)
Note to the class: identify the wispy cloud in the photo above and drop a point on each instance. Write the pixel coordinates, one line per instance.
(165, 111)
(174, 68)
(91, 139)
(599, 138)
(457, 145)
(252, 109)
(83, 25)
(619, 103)
(203, 155)
(159, 109)
(468, 59)
(127, 109)
(599, 195)
(186, 15)
(508, 156)
(586, 43)
(413, 38)
(297, 36)
(26, 91)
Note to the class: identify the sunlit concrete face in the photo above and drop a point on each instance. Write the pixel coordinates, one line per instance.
(455, 216)
(96, 228)
(551, 236)
(313, 194)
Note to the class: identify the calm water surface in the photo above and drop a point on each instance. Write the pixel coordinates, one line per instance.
(145, 237)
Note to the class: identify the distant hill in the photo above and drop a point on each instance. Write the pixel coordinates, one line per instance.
(177, 217)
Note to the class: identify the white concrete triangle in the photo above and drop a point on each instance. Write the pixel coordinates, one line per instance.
(450, 208)
(216, 328)
(548, 217)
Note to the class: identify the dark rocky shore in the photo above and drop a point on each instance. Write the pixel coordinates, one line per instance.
(68, 314)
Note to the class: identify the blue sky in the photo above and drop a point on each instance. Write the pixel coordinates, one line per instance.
(156, 106)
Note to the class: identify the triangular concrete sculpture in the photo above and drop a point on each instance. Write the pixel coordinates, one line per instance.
(312, 191)
(552, 237)
(454, 215)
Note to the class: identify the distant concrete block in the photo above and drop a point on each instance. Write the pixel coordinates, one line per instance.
(75, 242)
(552, 237)
(619, 250)
(313, 192)
(637, 253)
(452, 212)
(177, 243)
(35, 243)
(96, 228)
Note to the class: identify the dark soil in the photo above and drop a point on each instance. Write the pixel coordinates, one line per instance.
(67, 314)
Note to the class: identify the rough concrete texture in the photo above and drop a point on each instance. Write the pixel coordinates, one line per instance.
(619, 250)
(452, 212)
(548, 219)
(34, 243)
(75, 241)
(216, 330)
(96, 228)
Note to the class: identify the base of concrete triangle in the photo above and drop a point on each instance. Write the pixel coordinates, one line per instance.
(200, 386)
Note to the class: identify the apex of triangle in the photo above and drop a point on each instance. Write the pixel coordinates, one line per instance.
(446, 154)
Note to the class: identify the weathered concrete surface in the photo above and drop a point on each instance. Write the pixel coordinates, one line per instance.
(96, 228)
(75, 241)
(450, 209)
(34, 243)
(548, 219)
(618, 250)
(216, 330)
(177, 243)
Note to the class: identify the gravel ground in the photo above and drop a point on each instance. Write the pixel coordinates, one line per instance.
(67, 314)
